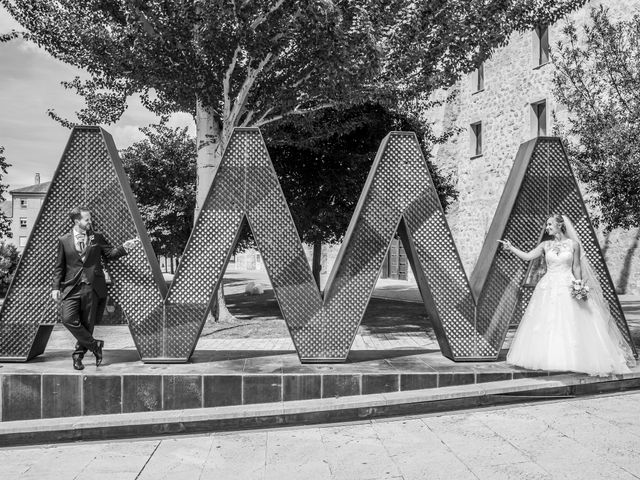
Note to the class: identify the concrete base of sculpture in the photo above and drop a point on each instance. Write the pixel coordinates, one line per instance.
(48, 387)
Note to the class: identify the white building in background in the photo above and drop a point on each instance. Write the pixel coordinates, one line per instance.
(23, 208)
(506, 102)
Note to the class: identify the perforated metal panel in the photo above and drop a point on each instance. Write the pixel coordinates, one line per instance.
(398, 190)
(541, 183)
(470, 318)
(399, 193)
(89, 174)
(245, 185)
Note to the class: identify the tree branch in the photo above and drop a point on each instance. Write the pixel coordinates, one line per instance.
(146, 25)
(295, 111)
(267, 112)
(235, 11)
(263, 18)
(248, 118)
(243, 93)
(302, 80)
(609, 68)
(584, 90)
(226, 82)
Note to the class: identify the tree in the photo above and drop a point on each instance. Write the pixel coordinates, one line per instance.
(323, 160)
(598, 79)
(162, 173)
(9, 257)
(5, 222)
(248, 63)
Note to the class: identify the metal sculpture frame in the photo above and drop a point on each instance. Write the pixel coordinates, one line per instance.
(541, 183)
(470, 317)
(90, 173)
(323, 327)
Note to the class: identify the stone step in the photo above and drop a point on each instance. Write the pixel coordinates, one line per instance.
(325, 410)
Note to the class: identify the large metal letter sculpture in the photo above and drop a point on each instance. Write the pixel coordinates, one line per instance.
(541, 183)
(89, 174)
(470, 319)
(470, 324)
(399, 192)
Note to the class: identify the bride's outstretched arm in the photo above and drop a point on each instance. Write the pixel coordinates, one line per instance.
(527, 256)
(576, 267)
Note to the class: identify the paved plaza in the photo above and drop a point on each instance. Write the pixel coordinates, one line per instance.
(405, 325)
(587, 438)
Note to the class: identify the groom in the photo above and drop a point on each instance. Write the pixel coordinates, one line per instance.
(78, 281)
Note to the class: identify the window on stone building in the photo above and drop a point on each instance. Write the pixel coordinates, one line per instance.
(23, 222)
(477, 79)
(539, 118)
(476, 139)
(541, 44)
(23, 203)
(22, 242)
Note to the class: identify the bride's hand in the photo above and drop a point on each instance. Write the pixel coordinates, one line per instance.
(506, 244)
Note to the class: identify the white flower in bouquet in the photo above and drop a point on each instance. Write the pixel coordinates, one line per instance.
(579, 290)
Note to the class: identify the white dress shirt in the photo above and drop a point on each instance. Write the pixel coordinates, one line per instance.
(79, 236)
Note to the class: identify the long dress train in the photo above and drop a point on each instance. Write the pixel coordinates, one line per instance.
(559, 333)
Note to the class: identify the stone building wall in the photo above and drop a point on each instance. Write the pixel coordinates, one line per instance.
(512, 82)
(29, 212)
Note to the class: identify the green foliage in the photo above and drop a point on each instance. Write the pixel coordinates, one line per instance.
(162, 172)
(323, 160)
(9, 257)
(5, 222)
(252, 62)
(598, 79)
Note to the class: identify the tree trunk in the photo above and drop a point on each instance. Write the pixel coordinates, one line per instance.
(316, 261)
(209, 137)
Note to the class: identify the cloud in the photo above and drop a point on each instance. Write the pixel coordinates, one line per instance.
(183, 120)
(7, 23)
(127, 130)
(29, 86)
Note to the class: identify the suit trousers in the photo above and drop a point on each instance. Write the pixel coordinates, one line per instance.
(80, 310)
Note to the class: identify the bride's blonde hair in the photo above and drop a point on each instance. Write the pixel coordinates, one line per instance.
(560, 222)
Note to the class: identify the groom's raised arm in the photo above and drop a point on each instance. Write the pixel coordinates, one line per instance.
(108, 251)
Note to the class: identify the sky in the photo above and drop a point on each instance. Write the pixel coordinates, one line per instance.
(29, 86)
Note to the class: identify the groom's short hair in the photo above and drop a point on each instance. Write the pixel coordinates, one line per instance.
(76, 213)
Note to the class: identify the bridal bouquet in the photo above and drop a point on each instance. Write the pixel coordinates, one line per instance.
(579, 290)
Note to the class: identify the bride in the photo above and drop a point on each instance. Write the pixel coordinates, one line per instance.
(559, 332)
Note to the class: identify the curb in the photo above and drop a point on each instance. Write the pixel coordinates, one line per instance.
(305, 412)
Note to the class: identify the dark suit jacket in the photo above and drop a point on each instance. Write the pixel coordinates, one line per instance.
(69, 264)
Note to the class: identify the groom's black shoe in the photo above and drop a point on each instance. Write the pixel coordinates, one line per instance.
(77, 361)
(97, 351)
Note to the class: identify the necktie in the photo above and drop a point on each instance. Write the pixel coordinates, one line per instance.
(80, 243)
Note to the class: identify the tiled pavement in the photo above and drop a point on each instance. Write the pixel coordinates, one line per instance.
(233, 371)
(228, 371)
(587, 438)
(118, 338)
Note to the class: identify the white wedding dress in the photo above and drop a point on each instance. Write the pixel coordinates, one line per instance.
(559, 333)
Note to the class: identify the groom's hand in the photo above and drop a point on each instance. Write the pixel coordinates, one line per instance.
(131, 244)
(55, 294)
